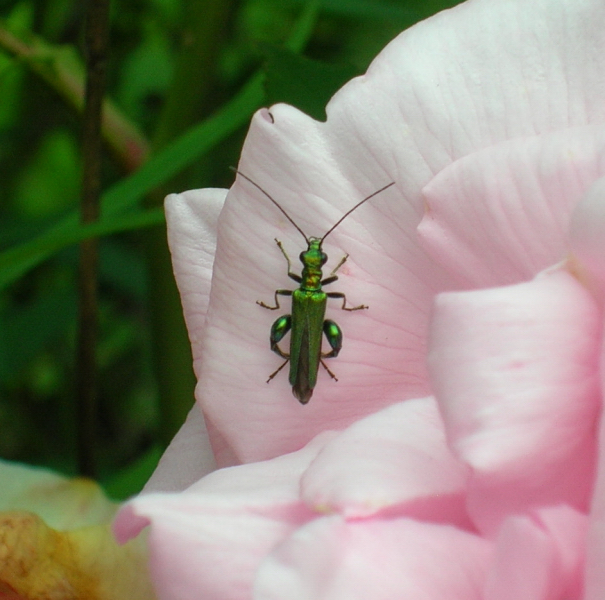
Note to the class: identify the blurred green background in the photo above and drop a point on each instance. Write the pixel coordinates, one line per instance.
(184, 78)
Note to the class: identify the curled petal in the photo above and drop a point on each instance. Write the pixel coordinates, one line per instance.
(395, 461)
(191, 219)
(515, 371)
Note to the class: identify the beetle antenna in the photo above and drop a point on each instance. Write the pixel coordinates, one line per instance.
(274, 202)
(354, 208)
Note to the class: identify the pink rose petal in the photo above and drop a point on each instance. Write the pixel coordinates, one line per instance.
(395, 461)
(239, 361)
(517, 198)
(587, 240)
(514, 369)
(332, 559)
(213, 536)
(595, 574)
(191, 219)
(539, 557)
(445, 89)
(196, 544)
(188, 457)
(192, 223)
(515, 374)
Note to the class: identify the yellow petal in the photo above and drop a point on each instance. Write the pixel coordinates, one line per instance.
(63, 503)
(41, 563)
(56, 541)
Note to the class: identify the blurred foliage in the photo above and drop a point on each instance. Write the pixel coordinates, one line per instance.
(262, 52)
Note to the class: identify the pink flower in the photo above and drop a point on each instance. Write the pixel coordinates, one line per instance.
(457, 456)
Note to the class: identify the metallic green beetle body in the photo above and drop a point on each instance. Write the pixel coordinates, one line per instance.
(306, 324)
(308, 309)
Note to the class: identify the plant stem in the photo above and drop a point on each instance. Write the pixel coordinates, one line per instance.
(61, 68)
(96, 36)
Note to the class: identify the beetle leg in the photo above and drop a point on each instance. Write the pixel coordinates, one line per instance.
(333, 334)
(344, 301)
(332, 277)
(323, 364)
(277, 292)
(291, 274)
(278, 331)
(278, 370)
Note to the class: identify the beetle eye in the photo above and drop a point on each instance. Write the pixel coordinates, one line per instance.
(301, 257)
(324, 258)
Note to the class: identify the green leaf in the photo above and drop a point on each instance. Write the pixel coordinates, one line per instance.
(48, 184)
(18, 260)
(402, 12)
(304, 26)
(125, 194)
(175, 157)
(26, 330)
(305, 83)
(131, 479)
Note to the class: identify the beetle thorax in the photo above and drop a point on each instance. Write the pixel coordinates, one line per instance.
(313, 259)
